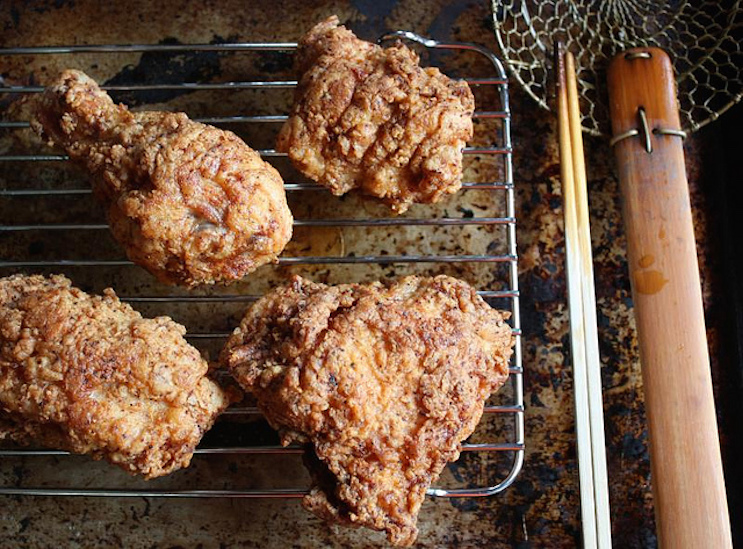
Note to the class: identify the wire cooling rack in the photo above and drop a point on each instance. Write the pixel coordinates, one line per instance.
(20, 192)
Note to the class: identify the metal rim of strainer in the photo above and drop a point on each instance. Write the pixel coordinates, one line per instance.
(703, 39)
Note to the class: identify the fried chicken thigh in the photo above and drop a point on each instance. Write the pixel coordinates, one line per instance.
(191, 203)
(383, 381)
(372, 119)
(89, 375)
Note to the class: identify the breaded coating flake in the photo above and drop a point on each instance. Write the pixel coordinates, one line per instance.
(384, 381)
(371, 118)
(89, 375)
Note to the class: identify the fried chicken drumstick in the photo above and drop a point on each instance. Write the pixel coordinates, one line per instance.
(383, 381)
(191, 203)
(372, 119)
(89, 375)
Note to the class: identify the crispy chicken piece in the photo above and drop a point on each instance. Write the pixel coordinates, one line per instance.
(191, 203)
(89, 375)
(372, 119)
(383, 381)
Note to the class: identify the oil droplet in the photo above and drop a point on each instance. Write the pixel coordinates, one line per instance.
(649, 282)
(646, 261)
(662, 232)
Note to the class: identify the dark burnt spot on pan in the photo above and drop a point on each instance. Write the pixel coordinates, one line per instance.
(19, 472)
(235, 434)
(466, 212)
(43, 7)
(24, 524)
(635, 447)
(164, 67)
(276, 62)
(36, 248)
(465, 504)
(546, 474)
(535, 401)
(15, 18)
(542, 289)
(38, 7)
(460, 469)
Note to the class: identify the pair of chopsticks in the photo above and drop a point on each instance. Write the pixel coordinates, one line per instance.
(589, 412)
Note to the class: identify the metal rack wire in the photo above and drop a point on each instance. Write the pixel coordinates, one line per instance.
(501, 149)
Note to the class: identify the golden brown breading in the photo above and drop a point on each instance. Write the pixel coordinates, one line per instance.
(371, 118)
(191, 203)
(384, 381)
(89, 375)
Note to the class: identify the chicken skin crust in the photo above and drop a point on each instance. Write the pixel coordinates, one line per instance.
(383, 381)
(191, 203)
(370, 118)
(89, 375)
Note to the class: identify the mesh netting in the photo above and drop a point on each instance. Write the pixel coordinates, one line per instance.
(703, 39)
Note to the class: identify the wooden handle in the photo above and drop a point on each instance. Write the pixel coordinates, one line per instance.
(688, 486)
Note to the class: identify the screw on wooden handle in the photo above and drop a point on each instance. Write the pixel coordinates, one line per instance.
(688, 485)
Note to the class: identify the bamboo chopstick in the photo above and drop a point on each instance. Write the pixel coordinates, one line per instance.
(589, 412)
(593, 359)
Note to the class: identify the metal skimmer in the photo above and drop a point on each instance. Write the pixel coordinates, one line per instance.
(703, 38)
(18, 190)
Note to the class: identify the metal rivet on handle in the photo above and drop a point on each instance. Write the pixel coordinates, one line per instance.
(666, 131)
(637, 55)
(645, 130)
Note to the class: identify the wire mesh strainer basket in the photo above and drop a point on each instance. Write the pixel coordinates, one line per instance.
(703, 39)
